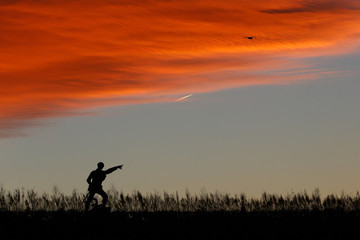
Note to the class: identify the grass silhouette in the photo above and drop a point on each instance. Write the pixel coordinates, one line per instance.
(28, 214)
(29, 200)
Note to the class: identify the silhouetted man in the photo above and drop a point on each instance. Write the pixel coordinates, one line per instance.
(95, 180)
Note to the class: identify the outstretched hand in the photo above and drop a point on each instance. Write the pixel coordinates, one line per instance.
(120, 166)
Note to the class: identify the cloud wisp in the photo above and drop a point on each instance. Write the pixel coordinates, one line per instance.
(61, 57)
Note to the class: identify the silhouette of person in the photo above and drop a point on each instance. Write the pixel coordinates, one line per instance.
(95, 180)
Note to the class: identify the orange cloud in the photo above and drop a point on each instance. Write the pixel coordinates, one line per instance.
(61, 57)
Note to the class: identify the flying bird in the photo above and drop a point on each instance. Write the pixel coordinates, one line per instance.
(250, 37)
(182, 98)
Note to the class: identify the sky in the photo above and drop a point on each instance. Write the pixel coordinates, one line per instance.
(89, 81)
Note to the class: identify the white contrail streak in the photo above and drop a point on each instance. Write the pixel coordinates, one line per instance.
(183, 98)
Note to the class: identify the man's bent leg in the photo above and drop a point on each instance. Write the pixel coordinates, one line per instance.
(104, 197)
(88, 200)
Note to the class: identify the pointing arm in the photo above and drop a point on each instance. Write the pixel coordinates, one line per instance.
(110, 170)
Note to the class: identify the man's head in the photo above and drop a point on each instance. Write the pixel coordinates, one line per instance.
(100, 165)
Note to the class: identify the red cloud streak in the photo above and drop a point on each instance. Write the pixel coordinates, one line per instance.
(60, 57)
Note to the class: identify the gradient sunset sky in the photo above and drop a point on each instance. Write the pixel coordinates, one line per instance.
(89, 81)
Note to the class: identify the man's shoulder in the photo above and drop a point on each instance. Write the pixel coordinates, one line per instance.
(97, 172)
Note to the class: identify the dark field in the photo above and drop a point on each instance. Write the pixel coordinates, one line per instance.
(174, 225)
(25, 214)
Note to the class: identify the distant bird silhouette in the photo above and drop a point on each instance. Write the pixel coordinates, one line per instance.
(250, 37)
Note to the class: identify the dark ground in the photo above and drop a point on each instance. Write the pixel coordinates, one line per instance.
(165, 225)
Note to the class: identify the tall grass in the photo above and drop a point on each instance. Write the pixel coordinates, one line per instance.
(29, 200)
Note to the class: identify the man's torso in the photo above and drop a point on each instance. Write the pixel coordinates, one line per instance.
(98, 176)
